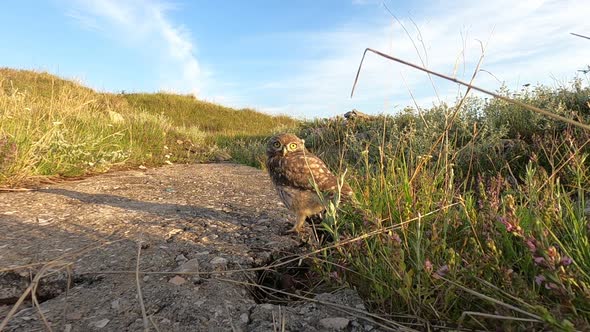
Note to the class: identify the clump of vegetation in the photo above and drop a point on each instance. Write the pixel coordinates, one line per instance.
(477, 220)
(478, 216)
(54, 127)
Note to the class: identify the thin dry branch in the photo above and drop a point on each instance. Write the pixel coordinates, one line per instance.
(510, 100)
(29, 291)
(57, 264)
(578, 35)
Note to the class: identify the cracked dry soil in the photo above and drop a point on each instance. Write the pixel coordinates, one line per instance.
(188, 218)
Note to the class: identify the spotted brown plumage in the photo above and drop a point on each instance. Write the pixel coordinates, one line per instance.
(294, 171)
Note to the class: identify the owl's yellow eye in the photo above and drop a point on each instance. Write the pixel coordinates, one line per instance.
(292, 146)
(276, 144)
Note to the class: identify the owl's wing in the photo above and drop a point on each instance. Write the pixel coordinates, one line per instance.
(303, 169)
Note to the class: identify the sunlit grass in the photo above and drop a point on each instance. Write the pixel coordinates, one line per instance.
(53, 127)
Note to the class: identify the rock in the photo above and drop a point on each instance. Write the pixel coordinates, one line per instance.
(267, 306)
(335, 323)
(177, 280)
(100, 324)
(355, 114)
(172, 233)
(209, 238)
(180, 259)
(116, 304)
(191, 265)
(74, 315)
(245, 318)
(219, 263)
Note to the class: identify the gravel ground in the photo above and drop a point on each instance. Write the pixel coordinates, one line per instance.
(196, 223)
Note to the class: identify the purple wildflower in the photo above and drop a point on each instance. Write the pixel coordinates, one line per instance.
(532, 244)
(539, 279)
(442, 271)
(395, 237)
(565, 261)
(539, 261)
(504, 221)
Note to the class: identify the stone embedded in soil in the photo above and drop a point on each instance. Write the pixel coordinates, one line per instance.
(116, 304)
(245, 318)
(191, 265)
(180, 259)
(177, 280)
(74, 315)
(335, 323)
(219, 263)
(173, 232)
(100, 324)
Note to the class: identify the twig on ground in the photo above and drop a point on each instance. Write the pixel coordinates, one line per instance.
(146, 325)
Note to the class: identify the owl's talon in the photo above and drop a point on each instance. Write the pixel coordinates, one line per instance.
(292, 231)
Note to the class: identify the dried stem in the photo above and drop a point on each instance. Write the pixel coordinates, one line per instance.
(510, 100)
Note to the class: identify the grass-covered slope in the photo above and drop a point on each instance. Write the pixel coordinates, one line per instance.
(55, 127)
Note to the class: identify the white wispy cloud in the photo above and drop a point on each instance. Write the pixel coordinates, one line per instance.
(145, 26)
(529, 42)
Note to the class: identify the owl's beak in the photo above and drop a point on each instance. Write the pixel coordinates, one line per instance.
(284, 150)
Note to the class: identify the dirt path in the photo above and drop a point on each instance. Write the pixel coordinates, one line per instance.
(190, 218)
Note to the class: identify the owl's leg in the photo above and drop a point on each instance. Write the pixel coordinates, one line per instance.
(298, 224)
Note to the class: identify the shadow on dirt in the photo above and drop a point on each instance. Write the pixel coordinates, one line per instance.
(160, 209)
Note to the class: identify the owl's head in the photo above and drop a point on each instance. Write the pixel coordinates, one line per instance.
(283, 144)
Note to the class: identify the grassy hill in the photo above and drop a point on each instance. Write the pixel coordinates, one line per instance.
(50, 127)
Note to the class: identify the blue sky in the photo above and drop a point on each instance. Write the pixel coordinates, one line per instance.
(297, 57)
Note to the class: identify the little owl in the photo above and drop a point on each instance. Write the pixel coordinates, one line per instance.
(293, 171)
